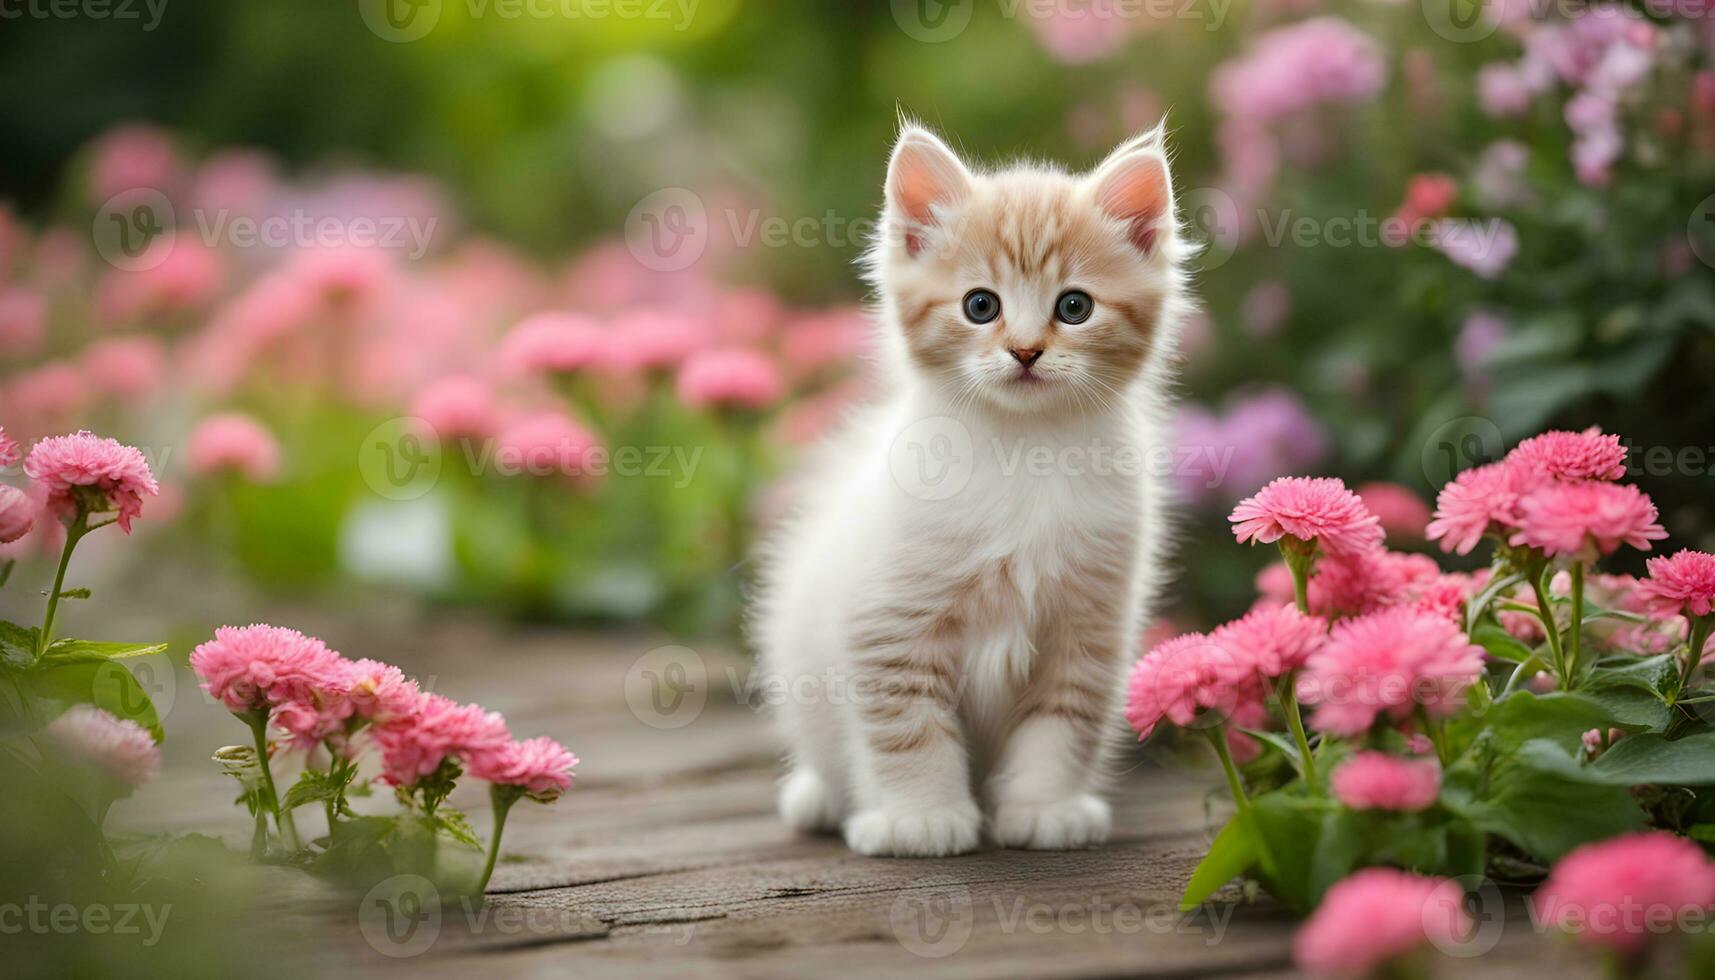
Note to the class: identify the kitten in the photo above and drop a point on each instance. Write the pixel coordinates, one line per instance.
(951, 614)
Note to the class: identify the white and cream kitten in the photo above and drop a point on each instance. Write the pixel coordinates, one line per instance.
(950, 615)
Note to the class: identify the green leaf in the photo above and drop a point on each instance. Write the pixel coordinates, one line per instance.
(1501, 644)
(106, 651)
(313, 786)
(17, 644)
(1479, 604)
(1232, 854)
(75, 594)
(1339, 849)
(454, 824)
(103, 683)
(1543, 813)
(1284, 822)
(1636, 760)
(1523, 716)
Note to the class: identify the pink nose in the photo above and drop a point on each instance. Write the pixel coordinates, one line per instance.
(1025, 355)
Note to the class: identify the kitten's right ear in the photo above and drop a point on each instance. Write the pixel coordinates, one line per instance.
(922, 175)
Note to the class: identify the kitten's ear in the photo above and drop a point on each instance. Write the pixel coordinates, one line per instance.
(1134, 185)
(921, 175)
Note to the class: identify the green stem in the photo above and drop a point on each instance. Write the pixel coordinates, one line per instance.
(283, 822)
(1218, 738)
(74, 533)
(1700, 629)
(1295, 721)
(502, 798)
(1576, 635)
(1298, 562)
(1545, 613)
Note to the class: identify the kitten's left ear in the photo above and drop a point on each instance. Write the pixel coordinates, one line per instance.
(923, 175)
(1134, 185)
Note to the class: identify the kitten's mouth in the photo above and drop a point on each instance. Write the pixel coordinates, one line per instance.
(1025, 376)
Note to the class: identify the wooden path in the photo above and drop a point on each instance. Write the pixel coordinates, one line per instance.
(666, 858)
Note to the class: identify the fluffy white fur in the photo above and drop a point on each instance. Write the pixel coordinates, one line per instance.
(954, 663)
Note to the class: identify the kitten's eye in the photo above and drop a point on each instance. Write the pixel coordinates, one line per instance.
(981, 306)
(1073, 306)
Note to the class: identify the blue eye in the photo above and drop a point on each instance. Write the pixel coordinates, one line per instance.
(981, 306)
(1073, 306)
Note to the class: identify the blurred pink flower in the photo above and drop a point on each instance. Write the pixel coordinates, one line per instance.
(185, 277)
(131, 156)
(416, 745)
(1378, 781)
(1485, 247)
(1274, 640)
(1499, 178)
(1502, 91)
(545, 444)
(1588, 455)
(1262, 433)
(8, 448)
(23, 321)
(1479, 336)
(119, 747)
(541, 767)
(47, 397)
(651, 339)
(1292, 68)
(1181, 678)
(832, 339)
(1402, 513)
(1309, 509)
(126, 369)
(260, 666)
(746, 317)
(233, 443)
(1266, 308)
(1617, 893)
(17, 514)
(1586, 519)
(1394, 663)
(737, 378)
(1683, 584)
(85, 470)
(1077, 34)
(1375, 916)
(1427, 196)
(458, 407)
(239, 182)
(554, 343)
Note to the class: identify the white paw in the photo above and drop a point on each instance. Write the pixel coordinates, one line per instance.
(807, 805)
(1063, 825)
(927, 832)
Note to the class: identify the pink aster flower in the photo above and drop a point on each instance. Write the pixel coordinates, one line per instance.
(1619, 892)
(1482, 500)
(439, 728)
(1587, 455)
(381, 692)
(260, 666)
(656, 339)
(1309, 509)
(1365, 581)
(1378, 781)
(233, 443)
(457, 407)
(1389, 663)
(320, 714)
(1681, 585)
(1403, 514)
(23, 321)
(545, 444)
(1275, 640)
(125, 368)
(119, 747)
(737, 378)
(554, 343)
(8, 448)
(541, 767)
(17, 514)
(93, 473)
(1375, 916)
(1181, 678)
(1586, 518)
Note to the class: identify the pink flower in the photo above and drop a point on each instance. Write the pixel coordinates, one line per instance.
(1485, 247)
(259, 666)
(1479, 336)
(131, 156)
(1182, 677)
(1391, 662)
(1376, 915)
(740, 378)
(1275, 641)
(8, 448)
(1586, 518)
(233, 443)
(833, 339)
(23, 321)
(321, 714)
(17, 514)
(545, 444)
(1587, 455)
(1502, 91)
(1311, 510)
(1427, 196)
(439, 728)
(127, 368)
(457, 407)
(1365, 581)
(1080, 35)
(540, 766)
(120, 747)
(1619, 892)
(1681, 585)
(656, 339)
(1402, 513)
(1266, 308)
(84, 470)
(381, 692)
(1482, 500)
(1378, 781)
(1291, 69)
(174, 276)
(554, 343)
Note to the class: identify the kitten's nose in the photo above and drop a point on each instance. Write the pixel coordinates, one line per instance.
(1025, 355)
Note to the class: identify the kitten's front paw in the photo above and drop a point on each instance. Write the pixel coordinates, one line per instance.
(1062, 825)
(807, 804)
(900, 832)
